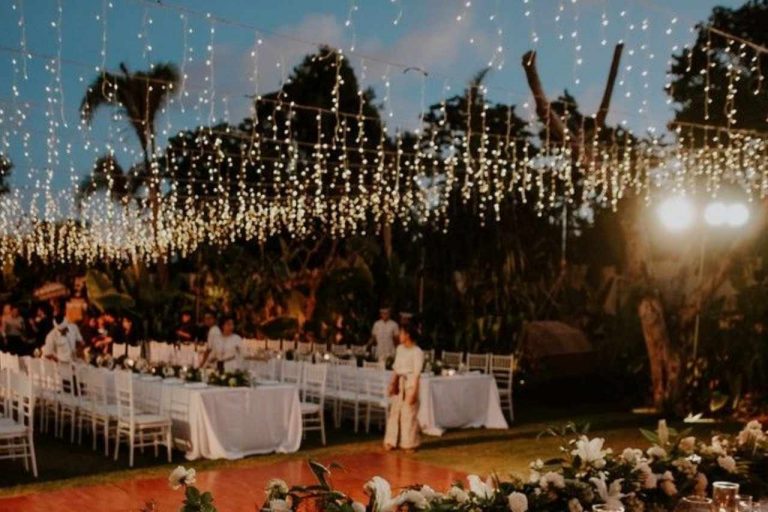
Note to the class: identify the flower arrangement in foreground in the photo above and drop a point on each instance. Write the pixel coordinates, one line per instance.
(587, 473)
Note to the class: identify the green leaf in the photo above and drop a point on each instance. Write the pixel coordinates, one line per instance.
(650, 435)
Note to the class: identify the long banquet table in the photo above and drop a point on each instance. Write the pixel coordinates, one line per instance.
(227, 423)
(469, 400)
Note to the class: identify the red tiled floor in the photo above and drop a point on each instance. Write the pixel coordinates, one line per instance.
(239, 489)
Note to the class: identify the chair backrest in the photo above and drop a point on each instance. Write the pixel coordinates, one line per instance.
(478, 361)
(83, 378)
(373, 364)
(36, 373)
(124, 395)
(292, 372)
(274, 345)
(502, 367)
(429, 355)
(315, 379)
(376, 383)
(452, 358)
(134, 352)
(302, 356)
(10, 362)
(22, 399)
(289, 345)
(351, 362)
(339, 350)
(51, 376)
(66, 372)
(347, 379)
(98, 390)
(118, 349)
(305, 347)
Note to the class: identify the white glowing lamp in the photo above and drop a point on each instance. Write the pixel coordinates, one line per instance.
(676, 213)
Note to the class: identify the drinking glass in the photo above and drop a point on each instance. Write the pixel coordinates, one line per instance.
(744, 503)
(606, 508)
(724, 496)
(695, 504)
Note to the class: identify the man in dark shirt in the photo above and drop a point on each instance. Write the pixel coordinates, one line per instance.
(186, 331)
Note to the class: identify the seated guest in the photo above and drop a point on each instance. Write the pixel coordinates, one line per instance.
(102, 340)
(63, 342)
(186, 330)
(13, 329)
(227, 347)
(40, 325)
(127, 332)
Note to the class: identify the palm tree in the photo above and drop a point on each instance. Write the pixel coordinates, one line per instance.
(141, 95)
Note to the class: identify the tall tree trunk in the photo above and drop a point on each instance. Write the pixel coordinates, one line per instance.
(664, 360)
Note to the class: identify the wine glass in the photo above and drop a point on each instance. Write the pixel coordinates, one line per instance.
(744, 503)
(604, 507)
(724, 496)
(695, 504)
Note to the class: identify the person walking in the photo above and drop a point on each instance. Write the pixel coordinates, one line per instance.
(402, 419)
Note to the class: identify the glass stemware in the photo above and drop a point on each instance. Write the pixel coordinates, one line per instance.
(724, 496)
(695, 504)
(606, 508)
(744, 503)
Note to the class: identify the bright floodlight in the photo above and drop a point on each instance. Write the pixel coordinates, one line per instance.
(738, 215)
(716, 214)
(676, 213)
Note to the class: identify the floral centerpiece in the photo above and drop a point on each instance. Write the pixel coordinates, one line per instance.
(233, 379)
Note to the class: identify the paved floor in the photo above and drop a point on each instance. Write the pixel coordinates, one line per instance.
(236, 489)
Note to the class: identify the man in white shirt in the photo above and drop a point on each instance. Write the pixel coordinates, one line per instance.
(62, 342)
(385, 334)
(213, 337)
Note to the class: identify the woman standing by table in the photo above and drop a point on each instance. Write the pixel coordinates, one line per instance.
(402, 420)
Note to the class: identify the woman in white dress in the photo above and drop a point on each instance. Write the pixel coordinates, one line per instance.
(227, 347)
(402, 420)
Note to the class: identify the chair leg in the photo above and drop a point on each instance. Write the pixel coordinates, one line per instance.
(357, 415)
(322, 428)
(117, 442)
(168, 443)
(32, 456)
(131, 448)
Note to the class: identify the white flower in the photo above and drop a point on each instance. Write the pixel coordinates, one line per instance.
(590, 451)
(552, 479)
(728, 463)
(647, 477)
(534, 477)
(429, 493)
(458, 494)
(381, 493)
(700, 488)
(181, 476)
(688, 444)
(574, 505)
(685, 466)
(718, 446)
(483, 490)
(667, 484)
(632, 455)
(411, 496)
(277, 486)
(358, 507)
(610, 494)
(518, 502)
(752, 433)
(279, 506)
(656, 452)
(663, 432)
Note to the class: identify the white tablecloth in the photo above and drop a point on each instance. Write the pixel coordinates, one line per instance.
(459, 401)
(227, 423)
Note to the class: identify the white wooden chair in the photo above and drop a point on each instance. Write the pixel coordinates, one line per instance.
(51, 390)
(291, 372)
(346, 394)
(339, 350)
(119, 350)
(374, 365)
(313, 402)
(139, 429)
(502, 369)
(68, 399)
(478, 362)
(453, 359)
(376, 397)
(304, 347)
(274, 345)
(349, 363)
(289, 345)
(17, 430)
(103, 414)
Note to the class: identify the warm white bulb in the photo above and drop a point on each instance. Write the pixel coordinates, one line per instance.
(738, 215)
(716, 214)
(676, 213)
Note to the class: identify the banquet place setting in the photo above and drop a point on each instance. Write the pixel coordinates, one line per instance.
(384, 255)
